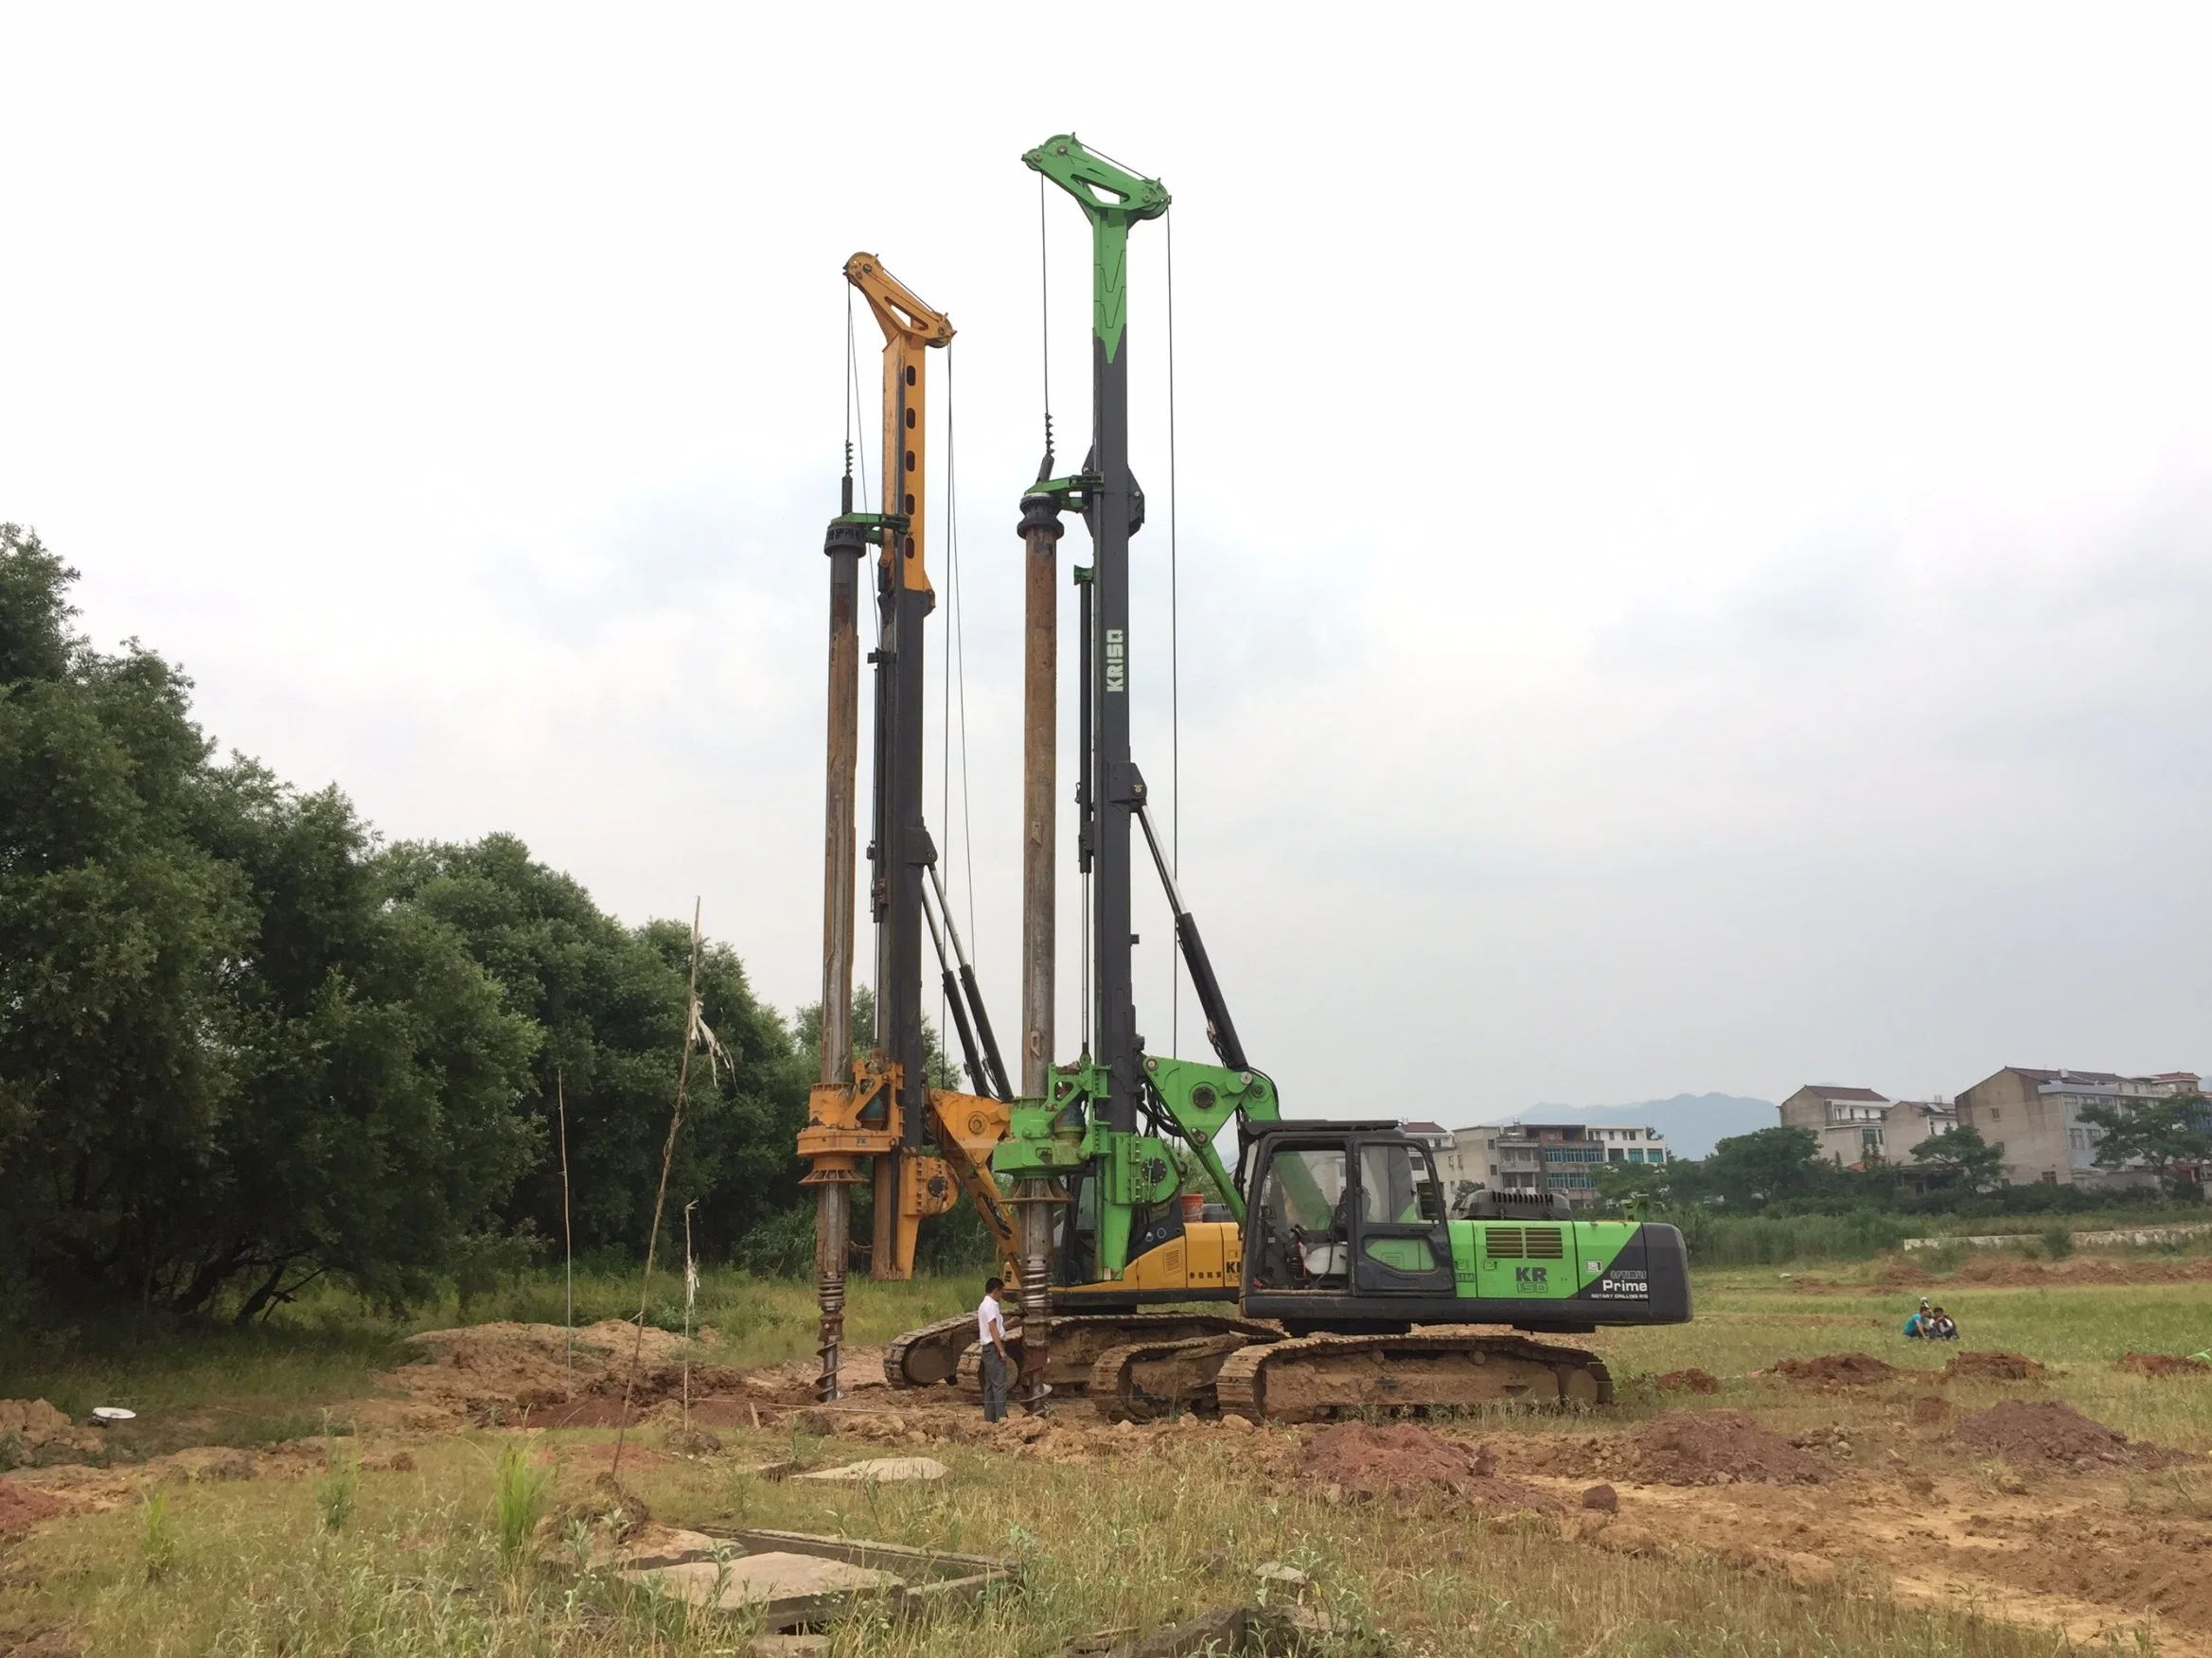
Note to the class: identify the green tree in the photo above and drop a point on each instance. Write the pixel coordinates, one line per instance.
(1768, 1166)
(806, 1033)
(2153, 1135)
(1621, 1184)
(226, 1061)
(1962, 1158)
(611, 1001)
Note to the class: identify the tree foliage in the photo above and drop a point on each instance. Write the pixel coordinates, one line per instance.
(242, 1046)
(1962, 1158)
(609, 1001)
(226, 1061)
(2153, 1135)
(1771, 1165)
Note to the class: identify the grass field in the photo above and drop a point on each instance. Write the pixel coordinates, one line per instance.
(250, 1570)
(254, 1567)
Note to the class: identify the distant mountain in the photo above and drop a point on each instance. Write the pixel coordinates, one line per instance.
(1691, 1123)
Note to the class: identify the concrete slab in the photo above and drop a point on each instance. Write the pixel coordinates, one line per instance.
(883, 1470)
(758, 1579)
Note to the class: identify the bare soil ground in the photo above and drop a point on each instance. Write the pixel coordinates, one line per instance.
(1967, 1486)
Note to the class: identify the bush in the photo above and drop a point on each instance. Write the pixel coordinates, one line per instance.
(2059, 1240)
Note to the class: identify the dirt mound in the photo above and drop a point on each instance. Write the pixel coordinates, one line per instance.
(38, 1426)
(1838, 1369)
(22, 1507)
(1691, 1381)
(2165, 1365)
(1993, 1368)
(2047, 1431)
(1718, 1447)
(494, 1372)
(1404, 1460)
(1902, 1275)
(2085, 1270)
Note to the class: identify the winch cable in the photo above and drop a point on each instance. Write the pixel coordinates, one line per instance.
(860, 432)
(1044, 318)
(853, 395)
(954, 697)
(1174, 658)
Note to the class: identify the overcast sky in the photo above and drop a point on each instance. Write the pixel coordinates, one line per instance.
(1695, 526)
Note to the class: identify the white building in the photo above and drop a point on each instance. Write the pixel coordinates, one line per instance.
(1544, 1156)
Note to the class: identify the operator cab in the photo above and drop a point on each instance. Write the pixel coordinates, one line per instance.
(1343, 1207)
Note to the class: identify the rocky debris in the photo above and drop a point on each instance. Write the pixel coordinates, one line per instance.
(1602, 1499)
(2165, 1365)
(692, 1441)
(880, 1470)
(1708, 1447)
(38, 1430)
(2048, 1432)
(1404, 1460)
(1691, 1381)
(654, 1545)
(1835, 1440)
(22, 1506)
(1993, 1368)
(1838, 1370)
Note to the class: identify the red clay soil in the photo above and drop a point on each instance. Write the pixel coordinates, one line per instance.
(1993, 1368)
(20, 1507)
(1716, 1446)
(1838, 1369)
(2164, 1365)
(1691, 1381)
(2001, 1270)
(2047, 1431)
(1405, 1460)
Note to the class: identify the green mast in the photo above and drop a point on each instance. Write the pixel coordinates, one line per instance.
(1095, 1112)
(1093, 180)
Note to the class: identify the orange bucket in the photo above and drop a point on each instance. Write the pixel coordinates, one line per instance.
(1193, 1206)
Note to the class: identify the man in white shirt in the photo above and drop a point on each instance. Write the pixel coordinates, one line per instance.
(991, 1333)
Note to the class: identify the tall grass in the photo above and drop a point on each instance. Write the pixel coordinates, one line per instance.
(519, 1495)
(1717, 1240)
(157, 1534)
(339, 1483)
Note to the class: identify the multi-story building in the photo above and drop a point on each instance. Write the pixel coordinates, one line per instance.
(1848, 1122)
(1858, 1126)
(2034, 1119)
(1910, 1121)
(1544, 1156)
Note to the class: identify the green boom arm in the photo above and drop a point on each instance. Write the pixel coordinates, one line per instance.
(1113, 199)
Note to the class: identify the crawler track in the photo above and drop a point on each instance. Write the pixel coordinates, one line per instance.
(1146, 1380)
(1316, 1376)
(924, 1357)
(943, 1352)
